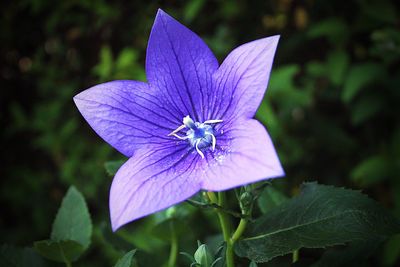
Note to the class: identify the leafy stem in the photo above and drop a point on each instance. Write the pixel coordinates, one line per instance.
(226, 227)
(174, 245)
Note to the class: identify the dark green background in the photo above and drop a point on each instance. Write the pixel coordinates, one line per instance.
(332, 106)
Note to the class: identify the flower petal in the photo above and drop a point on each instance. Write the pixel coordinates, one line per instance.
(181, 65)
(153, 179)
(246, 155)
(242, 79)
(127, 115)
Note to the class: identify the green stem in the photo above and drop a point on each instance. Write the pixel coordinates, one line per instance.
(225, 225)
(174, 246)
(239, 230)
(221, 199)
(212, 197)
(295, 256)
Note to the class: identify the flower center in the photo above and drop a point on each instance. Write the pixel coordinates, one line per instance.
(199, 135)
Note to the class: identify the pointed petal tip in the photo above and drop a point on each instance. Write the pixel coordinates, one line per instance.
(266, 41)
(115, 225)
(278, 171)
(279, 174)
(164, 17)
(75, 99)
(162, 13)
(83, 95)
(274, 39)
(78, 98)
(81, 98)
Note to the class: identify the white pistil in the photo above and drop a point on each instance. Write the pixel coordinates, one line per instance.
(177, 130)
(198, 150)
(179, 137)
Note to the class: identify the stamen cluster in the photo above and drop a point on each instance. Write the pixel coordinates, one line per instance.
(199, 135)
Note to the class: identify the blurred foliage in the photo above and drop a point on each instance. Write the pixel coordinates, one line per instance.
(332, 107)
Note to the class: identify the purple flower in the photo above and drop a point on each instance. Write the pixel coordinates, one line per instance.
(190, 127)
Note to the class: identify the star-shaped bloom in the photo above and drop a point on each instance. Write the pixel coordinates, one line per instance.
(190, 127)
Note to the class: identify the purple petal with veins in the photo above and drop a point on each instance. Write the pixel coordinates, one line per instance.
(190, 127)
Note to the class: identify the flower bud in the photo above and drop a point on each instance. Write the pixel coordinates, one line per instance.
(171, 212)
(246, 201)
(203, 256)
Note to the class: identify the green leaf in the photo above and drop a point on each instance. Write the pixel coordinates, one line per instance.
(126, 58)
(105, 66)
(316, 68)
(285, 91)
(337, 64)
(203, 256)
(113, 166)
(270, 198)
(320, 216)
(220, 252)
(267, 116)
(11, 256)
(192, 9)
(391, 251)
(253, 264)
(59, 250)
(126, 65)
(371, 170)
(353, 254)
(178, 215)
(73, 220)
(126, 260)
(358, 77)
(365, 108)
(282, 78)
(334, 29)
